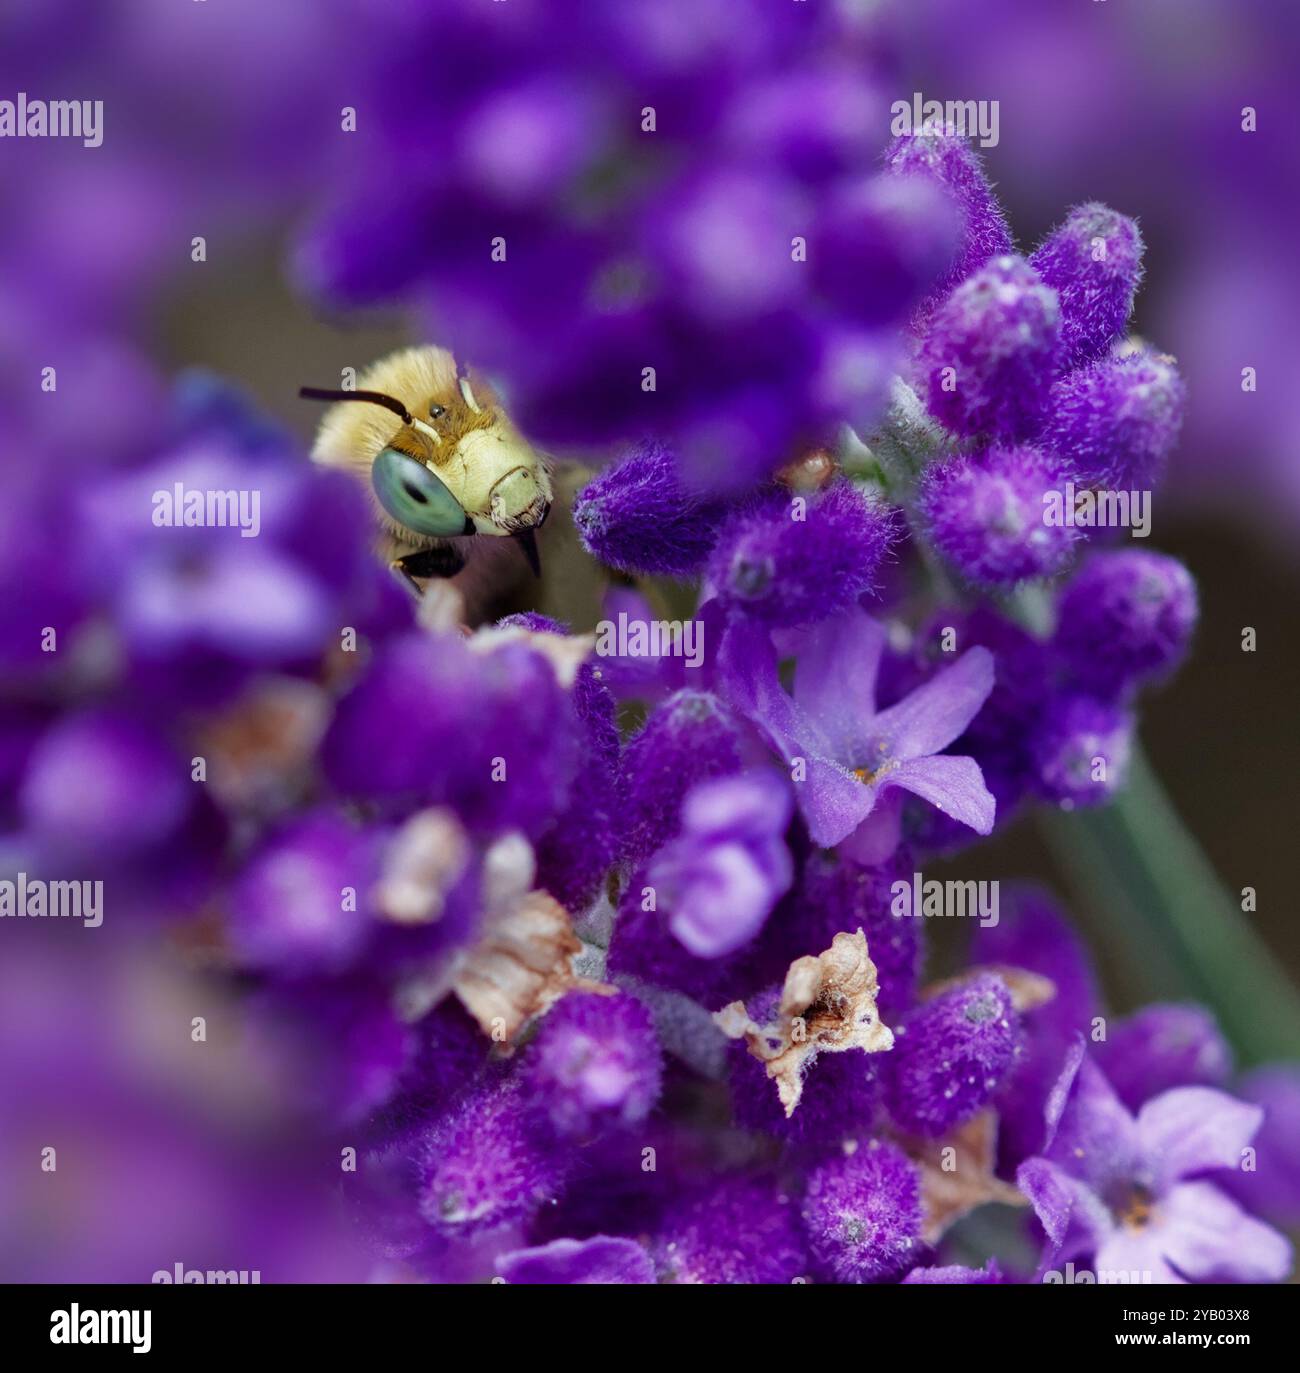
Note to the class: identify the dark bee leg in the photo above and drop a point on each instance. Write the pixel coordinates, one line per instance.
(443, 561)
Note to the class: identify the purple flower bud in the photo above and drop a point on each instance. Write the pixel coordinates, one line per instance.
(302, 903)
(488, 1162)
(600, 1259)
(1125, 617)
(986, 514)
(719, 879)
(1093, 260)
(1117, 419)
(576, 853)
(952, 1054)
(446, 1055)
(1081, 751)
(102, 783)
(992, 352)
(638, 516)
(881, 243)
(491, 734)
(1160, 1047)
(689, 737)
(862, 1215)
(595, 1064)
(949, 161)
(789, 559)
(736, 1230)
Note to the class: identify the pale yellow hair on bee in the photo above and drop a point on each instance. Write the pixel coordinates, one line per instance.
(351, 434)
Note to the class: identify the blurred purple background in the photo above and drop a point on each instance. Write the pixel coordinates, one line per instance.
(222, 121)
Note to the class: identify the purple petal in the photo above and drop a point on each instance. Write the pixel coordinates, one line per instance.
(1134, 1256)
(1193, 1129)
(1075, 1219)
(833, 801)
(749, 682)
(1097, 1140)
(835, 679)
(600, 1259)
(954, 785)
(932, 716)
(1207, 1236)
(726, 906)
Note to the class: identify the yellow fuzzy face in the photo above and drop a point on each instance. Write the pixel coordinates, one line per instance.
(459, 433)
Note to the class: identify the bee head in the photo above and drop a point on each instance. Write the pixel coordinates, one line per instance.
(453, 465)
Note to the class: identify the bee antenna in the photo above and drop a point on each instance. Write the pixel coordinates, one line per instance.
(372, 397)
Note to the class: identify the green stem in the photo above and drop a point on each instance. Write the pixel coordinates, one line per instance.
(1177, 929)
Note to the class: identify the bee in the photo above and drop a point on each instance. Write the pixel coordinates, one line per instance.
(450, 477)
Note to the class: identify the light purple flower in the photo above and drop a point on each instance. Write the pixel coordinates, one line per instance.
(1129, 1191)
(720, 878)
(848, 756)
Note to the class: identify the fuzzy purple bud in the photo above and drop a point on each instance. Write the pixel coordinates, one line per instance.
(988, 516)
(952, 1054)
(862, 1215)
(1081, 751)
(300, 903)
(949, 161)
(690, 737)
(790, 559)
(595, 1064)
(737, 1230)
(639, 516)
(1093, 260)
(575, 854)
(1124, 618)
(487, 1162)
(1116, 420)
(992, 352)
(104, 783)
(881, 243)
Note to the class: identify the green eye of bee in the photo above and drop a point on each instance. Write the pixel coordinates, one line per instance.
(415, 497)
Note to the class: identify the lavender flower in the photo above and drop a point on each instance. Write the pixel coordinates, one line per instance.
(487, 1163)
(987, 516)
(739, 1229)
(862, 1212)
(788, 559)
(951, 1055)
(638, 516)
(595, 1064)
(1117, 419)
(691, 737)
(947, 160)
(1125, 618)
(992, 351)
(1127, 1193)
(1082, 751)
(845, 755)
(720, 878)
(1093, 261)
